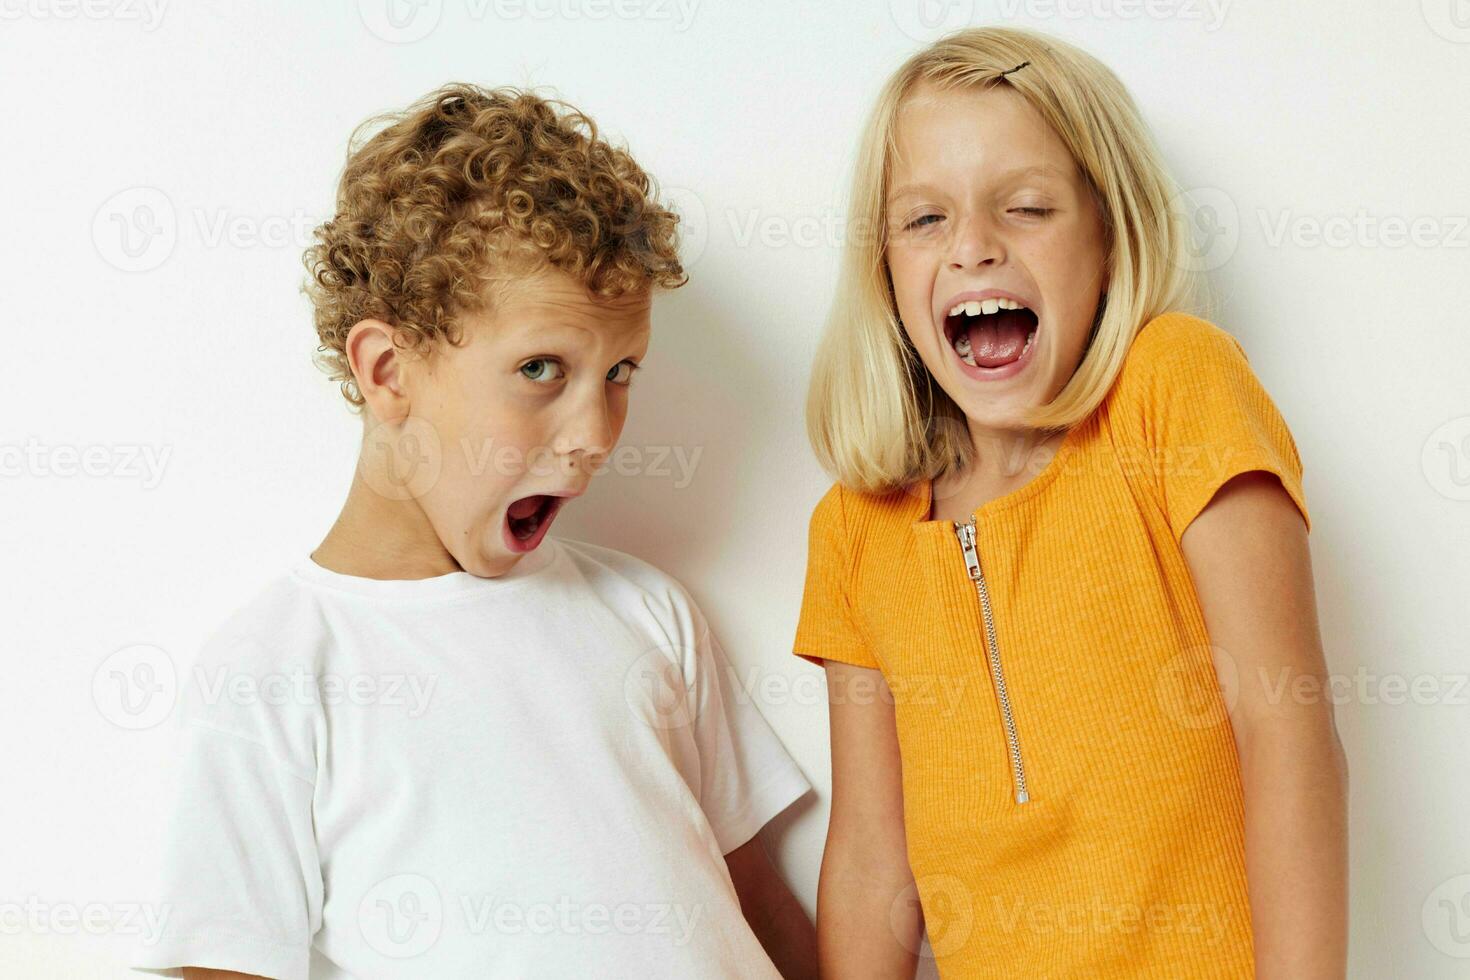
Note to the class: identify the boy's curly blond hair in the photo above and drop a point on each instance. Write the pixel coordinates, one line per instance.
(469, 187)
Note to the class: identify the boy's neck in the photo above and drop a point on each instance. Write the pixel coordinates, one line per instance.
(375, 537)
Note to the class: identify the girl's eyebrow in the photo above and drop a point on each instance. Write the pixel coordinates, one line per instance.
(911, 190)
(1025, 170)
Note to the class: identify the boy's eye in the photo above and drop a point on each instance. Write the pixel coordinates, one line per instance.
(543, 370)
(622, 372)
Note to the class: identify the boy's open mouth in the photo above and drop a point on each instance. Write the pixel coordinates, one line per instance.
(527, 519)
(990, 333)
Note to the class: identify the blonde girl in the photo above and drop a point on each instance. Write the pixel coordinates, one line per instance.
(1061, 588)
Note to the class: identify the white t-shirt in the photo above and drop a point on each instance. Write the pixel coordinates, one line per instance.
(535, 775)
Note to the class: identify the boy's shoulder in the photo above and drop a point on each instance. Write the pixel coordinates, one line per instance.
(253, 676)
(290, 629)
(639, 591)
(609, 569)
(280, 623)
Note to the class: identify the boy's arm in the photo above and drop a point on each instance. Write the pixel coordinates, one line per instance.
(774, 914)
(869, 923)
(1252, 569)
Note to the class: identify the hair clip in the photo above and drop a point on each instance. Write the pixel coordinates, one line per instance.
(1009, 70)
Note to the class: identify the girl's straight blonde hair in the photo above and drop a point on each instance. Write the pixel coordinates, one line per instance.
(875, 416)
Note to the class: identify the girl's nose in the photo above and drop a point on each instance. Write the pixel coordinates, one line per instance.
(973, 244)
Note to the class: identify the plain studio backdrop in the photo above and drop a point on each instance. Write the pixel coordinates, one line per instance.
(168, 446)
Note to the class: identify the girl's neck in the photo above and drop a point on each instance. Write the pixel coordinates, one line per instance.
(1001, 462)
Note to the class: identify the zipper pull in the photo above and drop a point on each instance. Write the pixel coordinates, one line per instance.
(966, 533)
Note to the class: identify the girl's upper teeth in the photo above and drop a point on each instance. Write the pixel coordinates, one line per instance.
(976, 307)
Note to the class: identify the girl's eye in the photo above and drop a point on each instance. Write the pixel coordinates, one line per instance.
(1035, 212)
(622, 373)
(543, 370)
(921, 221)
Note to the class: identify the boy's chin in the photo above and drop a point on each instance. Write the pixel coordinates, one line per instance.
(499, 551)
(491, 559)
(489, 566)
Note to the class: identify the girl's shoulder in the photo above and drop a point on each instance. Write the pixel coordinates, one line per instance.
(1188, 396)
(1185, 368)
(852, 515)
(1177, 346)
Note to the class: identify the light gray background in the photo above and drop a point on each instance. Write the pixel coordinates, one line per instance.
(162, 167)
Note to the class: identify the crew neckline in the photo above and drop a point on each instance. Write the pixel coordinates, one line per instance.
(448, 585)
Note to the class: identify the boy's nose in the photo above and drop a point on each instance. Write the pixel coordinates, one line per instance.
(587, 433)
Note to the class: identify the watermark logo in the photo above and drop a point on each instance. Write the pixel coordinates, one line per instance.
(948, 913)
(928, 20)
(655, 689)
(401, 916)
(1212, 222)
(404, 459)
(939, 693)
(148, 13)
(401, 459)
(1195, 697)
(135, 687)
(1450, 19)
(1446, 459)
(407, 21)
(1362, 229)
(299, 686)
(1446, 917)
(1192, 693)
(487, 914)
(693, 223)
(141, 920)
(138, 229)
(1206, 924)
(135, 230)
(1211, 13)
(123, 461)
(400, 21)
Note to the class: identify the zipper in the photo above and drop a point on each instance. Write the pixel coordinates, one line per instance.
(966, 533)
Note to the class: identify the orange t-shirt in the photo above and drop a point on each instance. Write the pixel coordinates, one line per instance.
(1072, 794)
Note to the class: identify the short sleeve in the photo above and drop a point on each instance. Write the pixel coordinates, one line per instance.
(826, 628)
(239, 875)
(746, 776)
(1189, 397)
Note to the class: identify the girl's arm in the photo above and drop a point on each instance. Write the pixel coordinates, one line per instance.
(868, 919)
(1252, 570)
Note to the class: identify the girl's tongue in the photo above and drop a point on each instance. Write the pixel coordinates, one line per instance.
(996, 339)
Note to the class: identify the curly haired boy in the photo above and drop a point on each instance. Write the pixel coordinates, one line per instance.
(445, 744)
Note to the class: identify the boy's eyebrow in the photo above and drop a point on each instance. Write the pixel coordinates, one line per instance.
(528, 327)
(1025, 170)
(526, 330)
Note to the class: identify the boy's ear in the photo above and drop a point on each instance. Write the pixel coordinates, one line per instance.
(377, 366)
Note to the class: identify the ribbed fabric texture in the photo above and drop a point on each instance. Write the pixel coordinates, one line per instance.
(1128, 860)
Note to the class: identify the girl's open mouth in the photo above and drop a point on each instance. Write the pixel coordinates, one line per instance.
(527, 519)
(991, 337)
